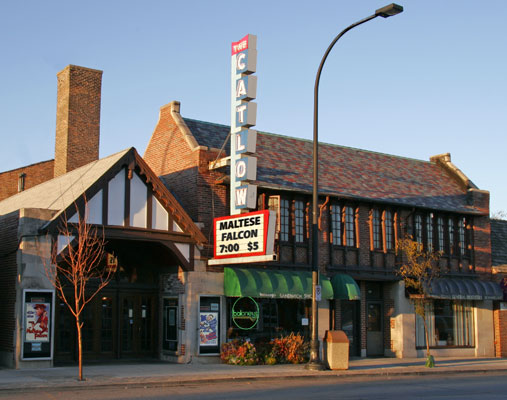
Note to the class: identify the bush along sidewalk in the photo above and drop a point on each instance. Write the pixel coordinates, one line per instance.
(290, 349)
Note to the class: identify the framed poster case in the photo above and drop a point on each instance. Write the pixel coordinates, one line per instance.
(38, 317)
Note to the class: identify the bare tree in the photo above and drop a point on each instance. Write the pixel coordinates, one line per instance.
(418, 269)
(71, 270)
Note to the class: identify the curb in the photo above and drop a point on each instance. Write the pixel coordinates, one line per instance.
(132, 382)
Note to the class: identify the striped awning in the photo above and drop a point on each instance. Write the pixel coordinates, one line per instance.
(464, 289)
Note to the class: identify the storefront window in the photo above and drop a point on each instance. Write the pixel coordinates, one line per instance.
(450, 324)
(277, 317)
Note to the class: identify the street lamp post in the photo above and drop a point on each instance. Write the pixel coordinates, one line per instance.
(387, 11)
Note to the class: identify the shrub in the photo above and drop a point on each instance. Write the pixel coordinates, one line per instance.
(290, 349)
(239, 353)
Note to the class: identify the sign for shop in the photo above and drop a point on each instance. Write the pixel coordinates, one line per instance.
(244, 235)
(245, 313)
(243, 116)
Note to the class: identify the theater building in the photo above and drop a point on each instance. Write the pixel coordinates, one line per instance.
(367, 201)
(169, 301)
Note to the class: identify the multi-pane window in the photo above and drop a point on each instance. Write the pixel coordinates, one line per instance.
(440, 233)
(336, 224)
(461, 232)
(284, 220)
(376, 229)
(350, 231)
(451, 235)
(299, 220)
(429, 231)
(389, 226)
(418, 232)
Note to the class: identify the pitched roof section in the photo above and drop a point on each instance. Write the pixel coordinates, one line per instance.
(61, 193)
(285, 163)
(498, 242)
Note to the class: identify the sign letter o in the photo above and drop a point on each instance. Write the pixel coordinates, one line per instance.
(240, 168)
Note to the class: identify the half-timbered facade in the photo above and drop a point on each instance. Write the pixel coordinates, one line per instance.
(149, 237)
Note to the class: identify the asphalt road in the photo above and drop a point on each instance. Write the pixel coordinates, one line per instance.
(475, 386)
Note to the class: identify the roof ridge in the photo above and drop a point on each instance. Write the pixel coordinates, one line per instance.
(320, 142)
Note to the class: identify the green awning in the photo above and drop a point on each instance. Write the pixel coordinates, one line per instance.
(240, 282)
(345, 287)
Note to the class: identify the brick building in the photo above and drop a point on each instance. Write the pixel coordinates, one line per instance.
(367, 201)
(499, 262)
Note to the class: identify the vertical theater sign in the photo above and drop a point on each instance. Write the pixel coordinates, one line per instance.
(243, 117)
(243, 237)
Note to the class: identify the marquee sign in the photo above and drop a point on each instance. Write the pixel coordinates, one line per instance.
(245, 235)
(243, 116)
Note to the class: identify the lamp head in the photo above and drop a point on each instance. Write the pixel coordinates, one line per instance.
(389, 11)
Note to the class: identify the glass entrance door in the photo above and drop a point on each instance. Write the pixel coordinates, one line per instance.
(137, 329)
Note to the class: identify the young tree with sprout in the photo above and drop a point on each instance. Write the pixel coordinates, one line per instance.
(418, 268)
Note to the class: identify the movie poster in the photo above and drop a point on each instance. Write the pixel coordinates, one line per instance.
(208, 328)
(37, 322)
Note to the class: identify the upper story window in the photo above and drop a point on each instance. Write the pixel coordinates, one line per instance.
(462, 236)
(429, 231)
(299, 221)
(284, 220)
(440, 234)
(343, 225)
(452, 245)
(418, 231)
(350, 227)
(376, 226)
(389, 228)
(336, 224)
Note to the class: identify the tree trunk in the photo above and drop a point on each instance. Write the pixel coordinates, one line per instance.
(80, 348)
(427, 337)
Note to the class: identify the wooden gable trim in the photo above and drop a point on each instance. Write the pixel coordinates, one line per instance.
(133, 162)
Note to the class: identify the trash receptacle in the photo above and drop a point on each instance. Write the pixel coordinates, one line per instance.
(337, 350)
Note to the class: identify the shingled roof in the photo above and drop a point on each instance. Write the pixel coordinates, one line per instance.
(285, 163)
(498, 242)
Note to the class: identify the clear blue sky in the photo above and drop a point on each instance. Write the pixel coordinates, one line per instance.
(428, 81)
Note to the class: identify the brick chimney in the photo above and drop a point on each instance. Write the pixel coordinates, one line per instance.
(77, 118)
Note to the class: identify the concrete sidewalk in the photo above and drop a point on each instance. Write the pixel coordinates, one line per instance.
(164, 374)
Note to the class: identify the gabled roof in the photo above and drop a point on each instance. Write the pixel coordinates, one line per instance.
(61, 193)
(498, 242)
(285, 163)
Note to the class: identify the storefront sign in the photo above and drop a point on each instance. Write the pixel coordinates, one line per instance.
(38, 324)
(245, 313)
(243, 116)
(244, 235)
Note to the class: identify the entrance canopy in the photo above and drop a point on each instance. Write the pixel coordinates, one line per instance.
(464, 289)
(260, 283)
(345, 287)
